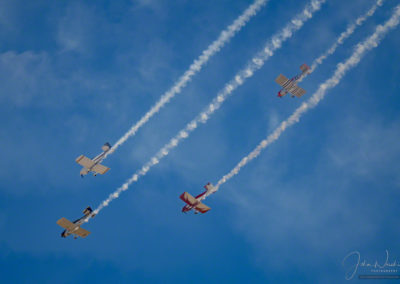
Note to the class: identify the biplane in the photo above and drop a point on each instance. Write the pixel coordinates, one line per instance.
(94, 165)
(74, 228)
(195, 202)
(290, 85)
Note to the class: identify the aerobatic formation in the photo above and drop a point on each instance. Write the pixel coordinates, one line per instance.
(196, 204)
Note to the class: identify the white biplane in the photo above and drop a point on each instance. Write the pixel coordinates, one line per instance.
(290, 85)
(195, 202)
(73, 228)
(93, 165)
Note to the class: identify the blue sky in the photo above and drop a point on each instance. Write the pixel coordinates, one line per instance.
(76, 74)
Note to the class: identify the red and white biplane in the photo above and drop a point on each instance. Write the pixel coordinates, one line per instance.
(290, 85)
(195, 202)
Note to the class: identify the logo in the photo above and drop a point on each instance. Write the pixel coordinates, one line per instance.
(389, 268)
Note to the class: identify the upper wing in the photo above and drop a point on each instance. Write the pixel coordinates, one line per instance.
(84, 161)
(66, 224)
(297, 91)
(187, 198)
(81, 232)
(282, 80)
(201, 207)
(100, 169)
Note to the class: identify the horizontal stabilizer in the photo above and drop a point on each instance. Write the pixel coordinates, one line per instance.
(66, 224)
(87, 210)
(106, 147)
(100, 169)
(304, 68)
(84, 161)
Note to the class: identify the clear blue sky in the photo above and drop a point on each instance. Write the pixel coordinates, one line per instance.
(77, 74)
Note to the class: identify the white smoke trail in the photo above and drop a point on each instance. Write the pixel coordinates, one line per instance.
(341, 70)
(196, 66)
(256, 63)
(344, 35)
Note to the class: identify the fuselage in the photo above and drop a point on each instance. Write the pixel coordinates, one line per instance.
(98, 159)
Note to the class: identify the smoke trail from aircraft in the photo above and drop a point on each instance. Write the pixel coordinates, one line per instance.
(194, 68)
(341, 70)
(344, 35)
(256, 63)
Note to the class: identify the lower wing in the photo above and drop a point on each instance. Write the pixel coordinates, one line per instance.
(188, 199)
(85, 161)
(66, 224)
(201, 207)
(282, 80)
(100, 169)
(297, 91)
(81, 232)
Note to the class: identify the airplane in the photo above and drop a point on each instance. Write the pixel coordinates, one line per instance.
(94, 164)
(195, 202)
(290, 86)
(73, 228)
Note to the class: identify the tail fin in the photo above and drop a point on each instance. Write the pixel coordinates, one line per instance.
(304, 68)
(87, 211)
(210, 188)
(106, 147)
